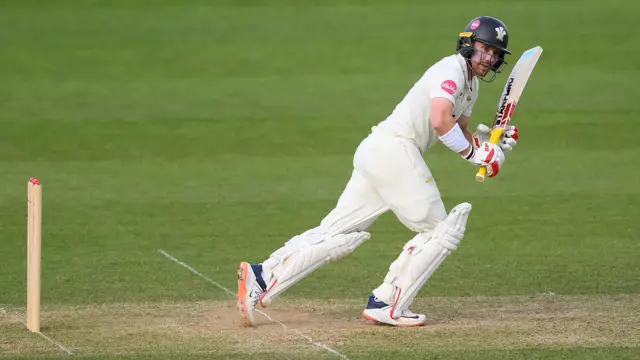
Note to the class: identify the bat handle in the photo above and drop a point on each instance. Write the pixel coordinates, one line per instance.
(496, 134)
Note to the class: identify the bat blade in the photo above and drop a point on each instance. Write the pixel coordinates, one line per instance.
(514, 87)
(510, 97)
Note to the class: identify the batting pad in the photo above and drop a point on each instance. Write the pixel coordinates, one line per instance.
(421, 256)
(308, 256)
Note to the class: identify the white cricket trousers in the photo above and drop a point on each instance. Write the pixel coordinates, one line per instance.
(389, 174)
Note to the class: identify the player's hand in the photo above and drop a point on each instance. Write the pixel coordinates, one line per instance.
(489, 155)
(507, 142)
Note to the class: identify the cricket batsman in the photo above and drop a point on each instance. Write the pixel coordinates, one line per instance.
(390, 174)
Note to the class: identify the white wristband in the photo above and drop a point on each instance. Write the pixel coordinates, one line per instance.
(455, 139)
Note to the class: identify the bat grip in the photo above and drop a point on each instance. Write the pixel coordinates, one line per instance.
(496, 134)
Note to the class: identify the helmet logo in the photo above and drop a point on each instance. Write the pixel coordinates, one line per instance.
(500, 33)
(474, 25)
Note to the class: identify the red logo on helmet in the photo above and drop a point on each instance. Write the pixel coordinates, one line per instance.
(449, 86)
(475, 24)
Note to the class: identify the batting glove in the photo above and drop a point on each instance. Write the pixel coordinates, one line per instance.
(489, 155)
(507, 143)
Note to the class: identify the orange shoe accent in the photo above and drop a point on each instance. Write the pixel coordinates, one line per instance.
(370, 318)
(409, 325)
(243, 270)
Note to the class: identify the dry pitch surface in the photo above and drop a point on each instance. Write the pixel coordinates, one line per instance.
(213, 327)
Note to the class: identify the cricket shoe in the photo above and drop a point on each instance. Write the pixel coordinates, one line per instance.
(250, 287)
(380, 312)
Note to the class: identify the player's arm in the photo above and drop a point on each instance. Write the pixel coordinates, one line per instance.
(463, 121)
(451, 134)
(449, 131)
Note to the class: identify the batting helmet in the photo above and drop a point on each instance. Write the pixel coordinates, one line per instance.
(487, 30)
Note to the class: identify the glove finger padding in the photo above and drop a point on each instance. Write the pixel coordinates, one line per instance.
(484, 129)
(482, 134)
(508, 144)
(509, 139)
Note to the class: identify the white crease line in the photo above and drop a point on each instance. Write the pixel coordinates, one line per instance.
(49, 339)
(232, 294)
(329, 349)
(196, 272)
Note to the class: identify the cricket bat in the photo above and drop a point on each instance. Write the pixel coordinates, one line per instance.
(510, 96)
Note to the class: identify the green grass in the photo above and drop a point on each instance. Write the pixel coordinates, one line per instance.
(218, 130)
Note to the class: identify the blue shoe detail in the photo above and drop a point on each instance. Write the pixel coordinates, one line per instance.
(374, 303)
(257, 270)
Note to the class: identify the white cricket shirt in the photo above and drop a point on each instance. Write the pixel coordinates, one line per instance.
(411, 118)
